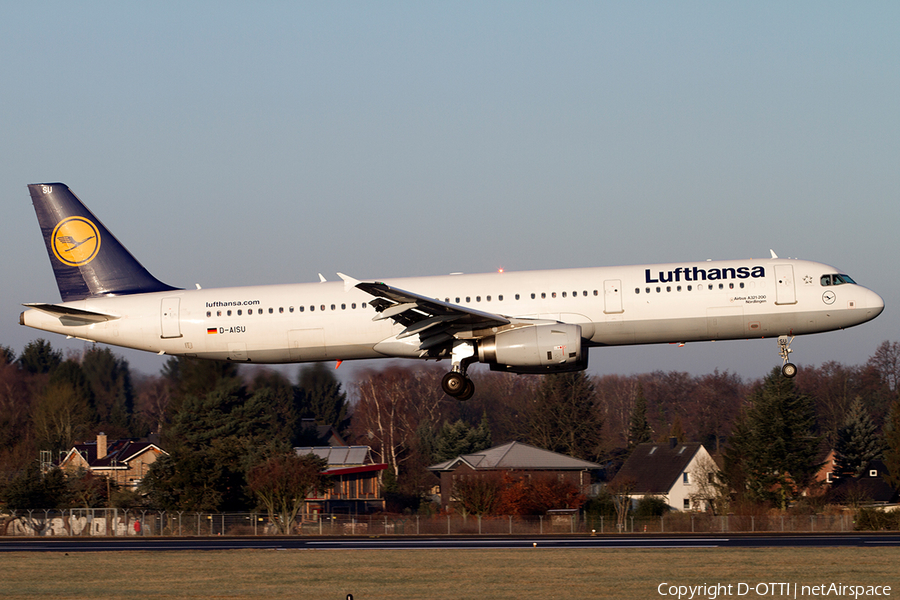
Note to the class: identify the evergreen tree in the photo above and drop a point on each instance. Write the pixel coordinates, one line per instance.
(213, 441)
(320, 397)
(773, 449)
(563, 418)
(7, 355)
(639, 430)
(109, 377)
(39, 357)
(279, 396)
(459, 438)
(31, 489)
(857, 442)
(892, 444)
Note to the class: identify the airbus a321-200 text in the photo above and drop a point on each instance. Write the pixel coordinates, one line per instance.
(519, 322)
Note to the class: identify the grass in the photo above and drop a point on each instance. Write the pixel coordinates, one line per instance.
(431, 574)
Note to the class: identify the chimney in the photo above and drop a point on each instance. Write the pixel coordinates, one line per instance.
(101, 445)
(673, 441)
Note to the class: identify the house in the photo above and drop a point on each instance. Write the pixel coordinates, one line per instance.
(356, 481)
(522, 459)
(124, 462)
(679, 473)
(871, 487)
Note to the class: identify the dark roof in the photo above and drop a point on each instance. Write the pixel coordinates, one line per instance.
(655, 468)
(516, 455)
(118, 453)
(870, 486)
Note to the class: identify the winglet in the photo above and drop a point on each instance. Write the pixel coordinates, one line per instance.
(773, 253)
(349, 282)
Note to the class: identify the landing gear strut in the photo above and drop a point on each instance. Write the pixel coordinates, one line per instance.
(784, 350)
(456, 383)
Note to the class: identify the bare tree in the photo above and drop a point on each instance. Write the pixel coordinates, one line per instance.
(390, 405)
(282, 484)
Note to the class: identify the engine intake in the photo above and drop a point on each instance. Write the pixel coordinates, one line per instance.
(554, 347)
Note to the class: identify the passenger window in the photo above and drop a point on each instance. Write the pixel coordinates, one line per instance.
(271, 311)
(239, 312)
(596, 293)
(208, 313)
(363, 304)
(218, 313)
(500, 298)
(353, 306)
(468, 298)
(553, 295)
(312, 307)
(532, 295)
(477, 298)
(229, 313)
(260, 311)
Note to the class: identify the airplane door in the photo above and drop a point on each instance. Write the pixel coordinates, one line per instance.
(612, 296)
(307, 344)
(785, 292)
(170, 323)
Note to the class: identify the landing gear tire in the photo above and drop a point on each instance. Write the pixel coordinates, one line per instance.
(789, 370)
(468, 392)
(454, 384)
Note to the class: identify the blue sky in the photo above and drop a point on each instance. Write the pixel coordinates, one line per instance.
(230, 144)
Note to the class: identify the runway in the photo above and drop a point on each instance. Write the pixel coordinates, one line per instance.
(62, 544)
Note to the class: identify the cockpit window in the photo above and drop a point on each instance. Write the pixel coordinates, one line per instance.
(836, 279)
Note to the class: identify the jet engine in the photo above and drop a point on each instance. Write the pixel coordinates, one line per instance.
(545, 348)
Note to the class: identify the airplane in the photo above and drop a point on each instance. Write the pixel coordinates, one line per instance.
(518, 322)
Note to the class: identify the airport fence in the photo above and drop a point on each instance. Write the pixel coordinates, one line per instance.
(135, 523)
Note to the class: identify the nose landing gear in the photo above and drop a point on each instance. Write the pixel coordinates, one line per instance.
(788, 369)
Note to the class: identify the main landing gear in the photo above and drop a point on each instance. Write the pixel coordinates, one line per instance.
(784, 350)
(456, 383)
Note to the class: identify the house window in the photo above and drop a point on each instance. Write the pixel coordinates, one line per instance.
(685, 479)
(873, 473)
(687, 504)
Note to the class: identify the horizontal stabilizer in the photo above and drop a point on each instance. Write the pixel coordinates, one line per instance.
(72, 316)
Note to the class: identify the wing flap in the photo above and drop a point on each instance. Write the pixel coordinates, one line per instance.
(435, 322)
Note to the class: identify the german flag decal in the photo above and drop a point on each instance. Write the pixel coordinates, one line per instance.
(211, 330)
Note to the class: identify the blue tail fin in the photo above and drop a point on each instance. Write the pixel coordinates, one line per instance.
(87, 259)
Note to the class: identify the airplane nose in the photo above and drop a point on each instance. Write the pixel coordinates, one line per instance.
(875, 304)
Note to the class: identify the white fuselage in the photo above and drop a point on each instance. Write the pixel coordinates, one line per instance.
(640, 304)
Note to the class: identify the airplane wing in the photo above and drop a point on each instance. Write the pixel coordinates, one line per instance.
(433, 320)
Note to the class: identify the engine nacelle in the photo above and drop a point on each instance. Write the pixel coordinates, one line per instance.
(546, 348)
